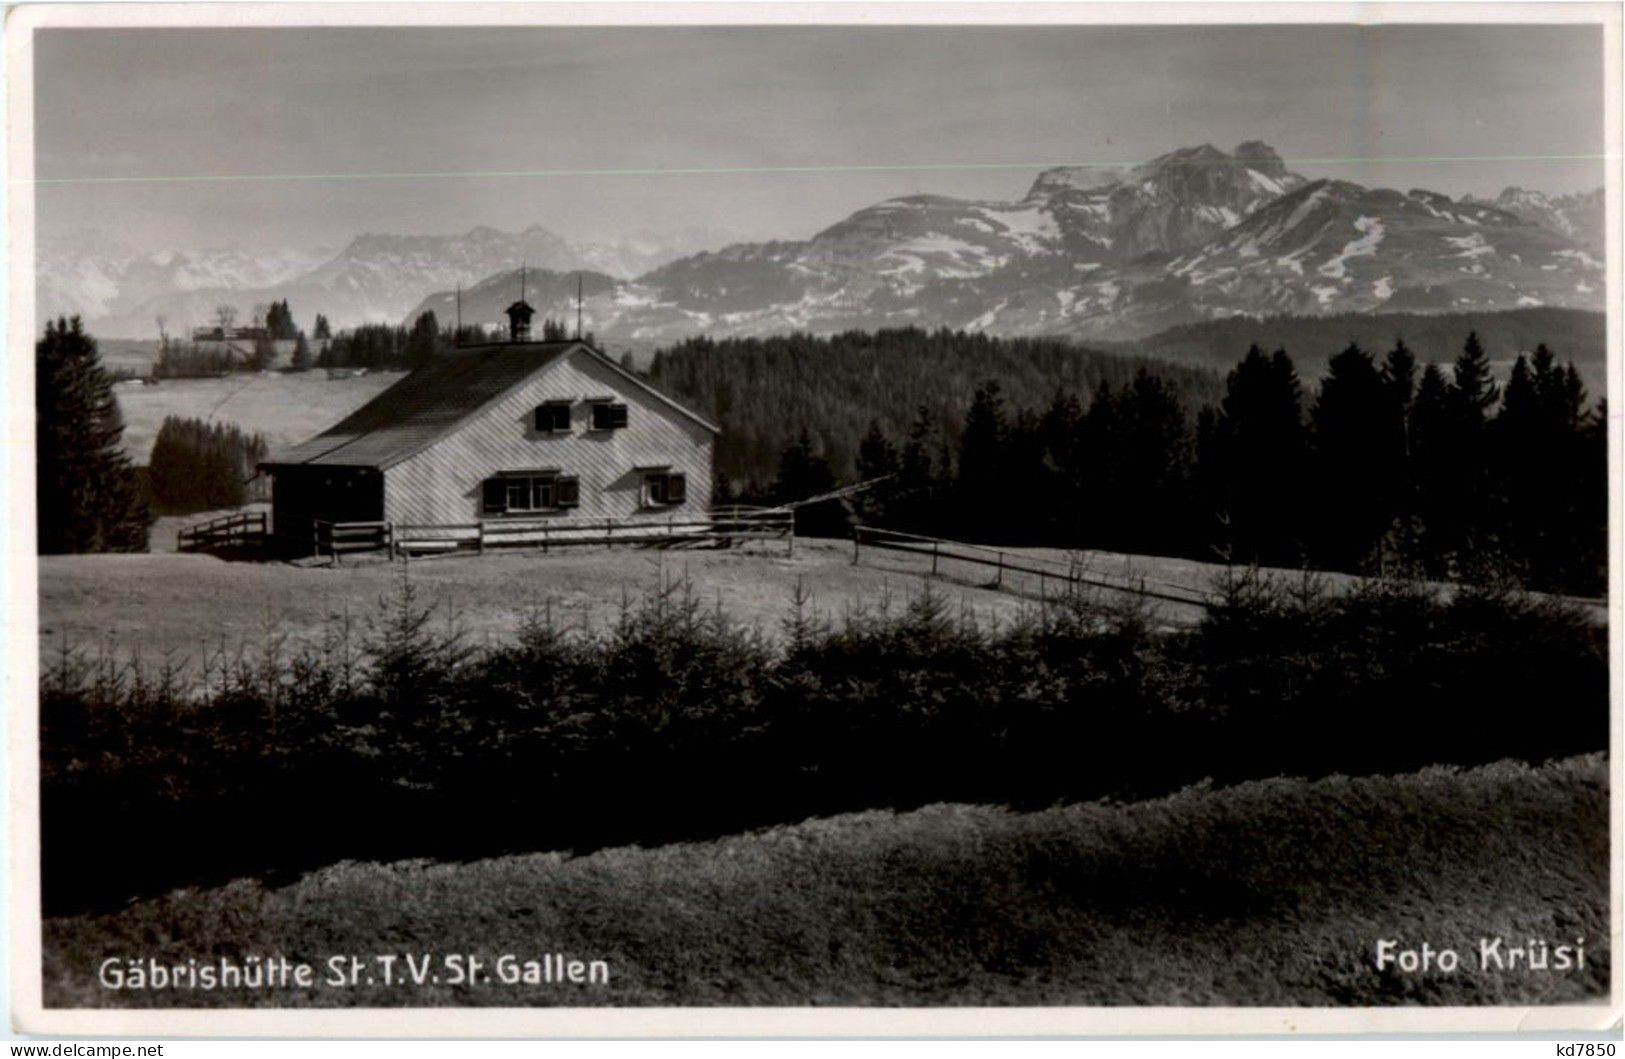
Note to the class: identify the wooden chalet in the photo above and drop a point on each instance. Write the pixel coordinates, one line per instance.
(515, 430)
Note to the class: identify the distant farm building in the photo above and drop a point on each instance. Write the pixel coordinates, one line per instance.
(239, 343)
(501, 431)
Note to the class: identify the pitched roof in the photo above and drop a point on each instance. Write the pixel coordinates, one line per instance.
(433, 400)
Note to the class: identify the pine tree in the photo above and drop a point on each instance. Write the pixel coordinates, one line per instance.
(802, 473)
(981, 486)
(321, 331)
(1261, 449)
(918, 485)
(877, 456)
(264, 355)
(1352, 431)
(301, 354)
(424, 340)
(88, 496)
(1434, 447)
(1478, 549)
(1399, 380)
(877, 459)
(1475, 391)
(1394, 460)
(1059, 436)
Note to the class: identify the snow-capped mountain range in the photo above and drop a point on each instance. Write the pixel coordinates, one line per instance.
(376, 278)
(1196, 234)
(1192, 235)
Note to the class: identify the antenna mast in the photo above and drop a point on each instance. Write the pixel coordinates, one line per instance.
(578, 306)
(458, 337)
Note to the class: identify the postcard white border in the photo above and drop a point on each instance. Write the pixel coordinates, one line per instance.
(18, 584)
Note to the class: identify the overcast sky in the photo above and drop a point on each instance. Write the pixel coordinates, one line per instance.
(269, 103)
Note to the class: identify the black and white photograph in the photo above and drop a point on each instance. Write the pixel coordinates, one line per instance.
(562, 512)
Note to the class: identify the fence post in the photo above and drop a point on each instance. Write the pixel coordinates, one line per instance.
(545, 528)
(479, 536)
(935, 547)
(856, 534)
(998, 577)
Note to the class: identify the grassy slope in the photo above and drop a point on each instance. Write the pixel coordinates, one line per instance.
(287, 409)
(1267, 893)
(169, 602)
(155, 603)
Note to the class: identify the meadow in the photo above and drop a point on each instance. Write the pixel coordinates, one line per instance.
(286, 408)
(152, 604)
(401, 736)
(1266, 893)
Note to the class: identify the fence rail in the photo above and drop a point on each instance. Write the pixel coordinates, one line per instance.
(406, 539)
(1069, 575)
(243, 529)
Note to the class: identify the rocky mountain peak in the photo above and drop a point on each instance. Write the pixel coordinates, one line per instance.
(1261, 156)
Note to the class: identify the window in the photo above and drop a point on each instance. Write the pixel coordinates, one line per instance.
(608, 416)
(525, 492)
(553, 417)
(662, 488)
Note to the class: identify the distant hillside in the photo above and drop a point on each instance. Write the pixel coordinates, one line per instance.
(1573, 334)
(765, 391)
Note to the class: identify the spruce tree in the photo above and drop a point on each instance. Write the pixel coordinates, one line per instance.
(1434, 455)
(980, 484)
(1352, 433)
(1394, 460)
(1261, 456)
(89, 497)
(1475, 391)
(424, 340)
(301, 353)
(1478, 545)
(877, 459)
(916, 496)
(1151, 464)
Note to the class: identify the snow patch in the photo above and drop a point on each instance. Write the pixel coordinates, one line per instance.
(1033, 227)
(1383, 289)
(1265, 183)
(1472, 245)
(987, 318)
(1371, 233)
(1581, 256)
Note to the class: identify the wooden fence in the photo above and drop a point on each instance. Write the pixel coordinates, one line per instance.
(1069, 575)
(405, 540)
(243, 530)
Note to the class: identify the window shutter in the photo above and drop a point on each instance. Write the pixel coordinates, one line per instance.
(568, 491)
(676, 488)
(552, 417)
(617, 415)
(495, 496)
